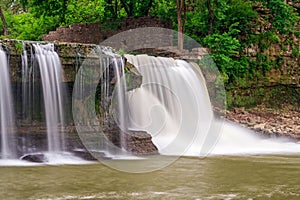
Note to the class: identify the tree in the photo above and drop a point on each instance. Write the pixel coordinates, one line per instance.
(211, 16)
(52, 8)
(137, 8)
(5, 32)
(112, 8)
(181, 18)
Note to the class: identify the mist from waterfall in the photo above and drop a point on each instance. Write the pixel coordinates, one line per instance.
(7, 119)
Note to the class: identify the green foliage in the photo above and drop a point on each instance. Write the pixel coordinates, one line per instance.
(295, 52)
(27, 27)
(121, 52)
(224, 48)
(19, 47)
(284, 16)
(85, 11)
(225, 15)
(166, 10)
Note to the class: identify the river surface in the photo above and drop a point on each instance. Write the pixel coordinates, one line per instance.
(220, 177)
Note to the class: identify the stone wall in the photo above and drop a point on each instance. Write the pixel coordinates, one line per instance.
(95, 33)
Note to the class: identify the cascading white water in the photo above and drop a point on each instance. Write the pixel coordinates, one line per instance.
(8, 140)
(121, 98)
(51, 77)
(25, 80)
(173, 105)
(121, 88)
(237, 140)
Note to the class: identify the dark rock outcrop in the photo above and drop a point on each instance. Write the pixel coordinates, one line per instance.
(140, 143)
(36, 157)
(91, 156)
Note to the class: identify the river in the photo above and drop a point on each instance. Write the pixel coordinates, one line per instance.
(217, 177)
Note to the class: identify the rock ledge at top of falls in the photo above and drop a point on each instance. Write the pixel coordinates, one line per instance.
(64, 49)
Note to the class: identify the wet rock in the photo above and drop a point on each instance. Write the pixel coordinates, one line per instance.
(136, 142)
(37, 158)
(90, 155)
(140, 143)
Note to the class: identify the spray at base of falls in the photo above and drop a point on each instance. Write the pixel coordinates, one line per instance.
(7, 120)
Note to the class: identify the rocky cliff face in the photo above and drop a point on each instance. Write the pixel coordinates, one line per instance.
(276, 82)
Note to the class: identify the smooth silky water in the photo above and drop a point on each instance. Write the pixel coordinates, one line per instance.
(223, 177)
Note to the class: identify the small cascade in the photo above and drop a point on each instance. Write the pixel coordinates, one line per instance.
(99, 102)
(7, 121)
(121, 98)
(25, 81)
(51, 77)
(119, 93)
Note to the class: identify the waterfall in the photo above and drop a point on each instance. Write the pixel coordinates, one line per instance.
(121, 98)
(100, 83)
(7, 123)
(172, 104)
(120, 113)
(51, 77)
(25, 77)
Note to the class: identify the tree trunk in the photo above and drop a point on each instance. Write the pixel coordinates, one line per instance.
(145, 9)
(211, 16)
(129, 7)
(3, 22)
(181, 9)
(116, 9)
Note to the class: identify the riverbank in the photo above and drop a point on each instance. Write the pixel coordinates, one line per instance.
(267, 121)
